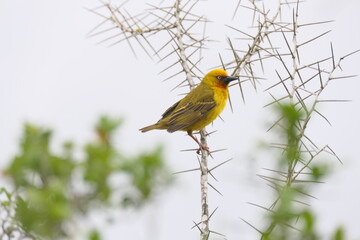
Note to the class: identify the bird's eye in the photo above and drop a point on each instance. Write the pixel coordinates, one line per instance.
(219, 77)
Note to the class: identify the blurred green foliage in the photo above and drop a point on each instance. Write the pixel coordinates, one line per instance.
(51, 188)
(94, 235)
(290, 217)
(339, 234)
(291, 117)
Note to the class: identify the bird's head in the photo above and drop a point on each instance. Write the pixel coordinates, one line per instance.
(218, 77)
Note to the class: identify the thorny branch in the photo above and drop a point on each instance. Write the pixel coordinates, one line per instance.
(177, 21)
(302, 92)
(181, 48)
(204, 228)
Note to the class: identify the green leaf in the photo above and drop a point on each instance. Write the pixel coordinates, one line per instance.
(94, 235)
(145, 171)
(106, 127)
(339, 234)
(319, 171)
(290, 121)
(7, 193)
(309, 220)
(44, 210)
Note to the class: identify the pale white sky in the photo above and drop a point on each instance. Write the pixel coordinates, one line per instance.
(52, 74)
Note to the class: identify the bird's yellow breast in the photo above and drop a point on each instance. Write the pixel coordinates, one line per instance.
(220, 97)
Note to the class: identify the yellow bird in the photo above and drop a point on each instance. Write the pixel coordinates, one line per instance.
(198, 108)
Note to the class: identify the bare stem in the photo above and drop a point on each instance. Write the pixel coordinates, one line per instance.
(204, 189)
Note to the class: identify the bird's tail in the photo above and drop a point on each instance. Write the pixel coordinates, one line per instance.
(148, 128)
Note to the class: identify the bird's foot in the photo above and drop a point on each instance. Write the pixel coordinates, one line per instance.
(203, 147)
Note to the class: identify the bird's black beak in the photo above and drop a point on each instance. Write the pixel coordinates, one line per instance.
(228, 79)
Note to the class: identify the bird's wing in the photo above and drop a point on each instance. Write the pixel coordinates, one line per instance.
(189, 113)
(170, 110)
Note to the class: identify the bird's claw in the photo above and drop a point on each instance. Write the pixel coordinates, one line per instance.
(203, 147)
